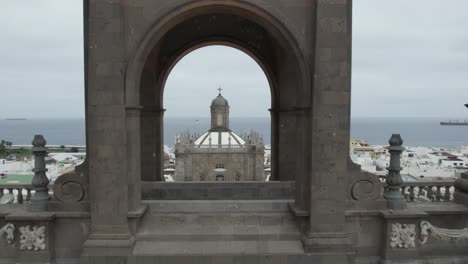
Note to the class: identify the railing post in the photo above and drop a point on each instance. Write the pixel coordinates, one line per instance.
(395, 199)
(40, 181)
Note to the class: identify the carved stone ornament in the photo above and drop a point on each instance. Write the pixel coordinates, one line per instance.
(32, 238)
(403, 236)
(441, 233)
(71, 191)
(9, 230)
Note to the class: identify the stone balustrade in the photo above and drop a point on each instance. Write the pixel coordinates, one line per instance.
(21, 192)
(434, 191)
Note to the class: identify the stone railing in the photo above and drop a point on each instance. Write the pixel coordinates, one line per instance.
(432, 191)
(21, 192)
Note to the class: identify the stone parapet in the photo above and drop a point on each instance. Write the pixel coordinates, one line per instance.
(217, 190)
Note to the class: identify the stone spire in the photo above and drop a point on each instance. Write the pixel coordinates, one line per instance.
(219, 114)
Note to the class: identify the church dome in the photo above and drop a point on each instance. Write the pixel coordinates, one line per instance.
(220, 138)
(219, 101)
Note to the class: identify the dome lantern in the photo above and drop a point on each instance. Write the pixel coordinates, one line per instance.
(219, 113)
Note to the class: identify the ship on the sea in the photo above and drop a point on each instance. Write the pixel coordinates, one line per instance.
(15, 119)
(454, 123)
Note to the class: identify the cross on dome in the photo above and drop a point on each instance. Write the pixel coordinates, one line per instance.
(219, 89)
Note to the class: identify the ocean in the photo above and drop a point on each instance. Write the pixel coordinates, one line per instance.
(414, 131)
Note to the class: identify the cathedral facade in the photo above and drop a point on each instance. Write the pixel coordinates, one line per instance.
(219, 153)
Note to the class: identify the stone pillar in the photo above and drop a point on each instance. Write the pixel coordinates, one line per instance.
(395, 199)
(325, 229)
(300, 207)
(133, 157)
(106, 132)
(152, 145)
(160, 145)
(274, 145)
(40, 181)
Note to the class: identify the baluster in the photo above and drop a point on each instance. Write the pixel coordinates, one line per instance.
(19, 198)
(411, 193)
(439, 194)
(28, 195)
(418, 191)
(430, 193)
(447, 195)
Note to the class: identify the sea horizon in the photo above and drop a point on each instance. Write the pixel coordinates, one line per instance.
(416, 131)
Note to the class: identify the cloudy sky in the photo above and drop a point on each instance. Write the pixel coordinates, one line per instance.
(410, 59)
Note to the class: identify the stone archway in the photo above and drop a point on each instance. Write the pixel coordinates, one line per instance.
(304, 46)
(230, 25)
(248, 29)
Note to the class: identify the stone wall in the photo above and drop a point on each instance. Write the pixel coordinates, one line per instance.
(239, 165)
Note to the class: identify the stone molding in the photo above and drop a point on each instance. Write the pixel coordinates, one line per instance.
(428, 229)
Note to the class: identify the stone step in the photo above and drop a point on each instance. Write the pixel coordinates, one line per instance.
(212, 206)
(216, 248)
(218, 227)
(234, 258)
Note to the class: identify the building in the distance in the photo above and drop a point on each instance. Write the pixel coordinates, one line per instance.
(219, 154)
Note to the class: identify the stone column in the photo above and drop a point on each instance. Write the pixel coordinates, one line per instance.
(300, 207)
(395, 199)
(325, 229)
(152, 150)
(274, 145)
(40, 181)
(133, 157)
(106, 133)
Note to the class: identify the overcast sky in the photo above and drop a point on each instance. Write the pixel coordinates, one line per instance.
(410, 58)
